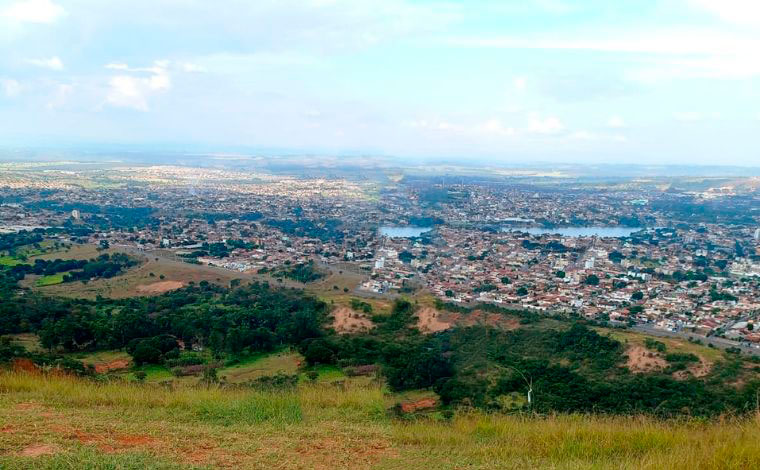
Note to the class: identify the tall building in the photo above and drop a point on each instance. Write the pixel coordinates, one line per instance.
(75, 214)
(757, 234)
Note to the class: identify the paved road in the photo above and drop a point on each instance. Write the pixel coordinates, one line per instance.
(717, 342)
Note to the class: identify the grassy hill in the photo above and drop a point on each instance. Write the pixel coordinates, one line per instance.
(62, 422)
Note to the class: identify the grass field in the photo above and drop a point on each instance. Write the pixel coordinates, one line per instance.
(51, 280)
(137, 281)
(261, 365)
(10, 261)
(58, 422)
(673, 344)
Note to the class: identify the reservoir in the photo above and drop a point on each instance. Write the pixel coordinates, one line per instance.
(403, 232)
(609, 232)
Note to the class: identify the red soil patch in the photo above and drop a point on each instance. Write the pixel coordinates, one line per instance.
(7, 430)
(346, 320)
(117, 364)
(201, 453)
(133, 440)
(24, 365)
(329, 454)
(423, 404)
(159, 287)
(35, 450)
(27, 406)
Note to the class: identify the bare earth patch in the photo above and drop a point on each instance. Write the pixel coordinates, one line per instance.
(159, 287)
(105, 367)
(35, 450)
(346, 320)
(430, 320)
(698, 370)
(423, 404)
(640, 360)
(329, 454)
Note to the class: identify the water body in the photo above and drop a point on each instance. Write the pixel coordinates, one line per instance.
(609, 232)
(403, 232)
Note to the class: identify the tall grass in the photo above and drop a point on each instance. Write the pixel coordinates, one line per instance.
(213, 403)
(588, 441)
(347, 426)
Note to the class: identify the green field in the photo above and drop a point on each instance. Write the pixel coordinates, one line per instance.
(51, 280)
(10, 261)
(59, 422)
(260, 365)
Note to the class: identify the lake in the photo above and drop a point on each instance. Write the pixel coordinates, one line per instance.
(403, 232)
(610, 232)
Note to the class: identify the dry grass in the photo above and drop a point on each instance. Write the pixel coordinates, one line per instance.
(138, 281)
(63, 422)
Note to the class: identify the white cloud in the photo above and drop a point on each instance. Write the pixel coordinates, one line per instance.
(547, 125)
(33, 11)
(10, 87)
(661, 54)
(616, 122)
(117, 66)
(671, 41)
(133, 91)
(190, 67)
(53, 63)
(745, 12)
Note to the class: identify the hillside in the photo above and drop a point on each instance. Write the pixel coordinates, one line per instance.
(60, 422)
(253, 375)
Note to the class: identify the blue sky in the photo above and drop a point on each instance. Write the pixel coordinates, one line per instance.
(672, 81)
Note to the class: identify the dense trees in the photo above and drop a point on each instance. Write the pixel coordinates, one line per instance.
(247, 319)
(105, 266)
(301, 272)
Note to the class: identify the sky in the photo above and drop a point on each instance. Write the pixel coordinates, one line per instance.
(594, 81)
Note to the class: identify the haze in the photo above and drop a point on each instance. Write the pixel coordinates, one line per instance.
(669, 82)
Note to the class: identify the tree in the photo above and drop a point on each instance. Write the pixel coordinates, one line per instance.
(560, 274)
(146, 353)
(592, 280)
(636, 296)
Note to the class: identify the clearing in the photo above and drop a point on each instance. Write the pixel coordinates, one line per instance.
(153, 276)
(642, 360)
(346, 320)
(261, 365)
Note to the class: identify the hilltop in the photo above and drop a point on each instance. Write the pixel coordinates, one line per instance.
(56, 422)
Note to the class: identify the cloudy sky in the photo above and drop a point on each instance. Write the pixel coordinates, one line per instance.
(671, 81)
